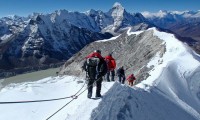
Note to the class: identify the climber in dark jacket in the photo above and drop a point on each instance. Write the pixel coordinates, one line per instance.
(121, 74)
(95, 73)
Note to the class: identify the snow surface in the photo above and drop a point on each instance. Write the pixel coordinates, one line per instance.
(5, 37)
(131, 33)
(112, 38)
(171, 92)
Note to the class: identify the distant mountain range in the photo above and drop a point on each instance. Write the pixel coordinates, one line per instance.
(184, 23)
(51, 38)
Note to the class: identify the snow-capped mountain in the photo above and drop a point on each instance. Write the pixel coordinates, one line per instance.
(116, 18)
(44, 40)
(51, 38)
(123, 19)
(13, 24)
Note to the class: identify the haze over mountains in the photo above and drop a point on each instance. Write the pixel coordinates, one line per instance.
(43, 39)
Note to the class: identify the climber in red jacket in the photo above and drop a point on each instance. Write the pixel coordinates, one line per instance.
(111, 64)
(131, 78)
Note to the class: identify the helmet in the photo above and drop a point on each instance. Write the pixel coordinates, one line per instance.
(99, 51)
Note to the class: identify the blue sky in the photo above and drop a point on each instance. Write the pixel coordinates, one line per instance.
(25, 7)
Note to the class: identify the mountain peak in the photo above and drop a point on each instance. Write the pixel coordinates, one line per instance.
(117, 5)
(117, 10)
(91, 12)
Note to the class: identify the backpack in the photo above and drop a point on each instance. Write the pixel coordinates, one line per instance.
(93, 61)
(91, 66)
(111, 64)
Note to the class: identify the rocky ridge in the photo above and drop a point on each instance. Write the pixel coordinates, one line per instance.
(132, 51)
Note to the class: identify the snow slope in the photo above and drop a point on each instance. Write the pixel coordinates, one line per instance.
(48, 88)
(171, 92)
(176, 74)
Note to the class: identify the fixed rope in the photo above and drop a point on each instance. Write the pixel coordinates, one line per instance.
(46, 100)
(32, 101)
(77, 95)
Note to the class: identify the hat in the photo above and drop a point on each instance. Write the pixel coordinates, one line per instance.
(99, 51)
